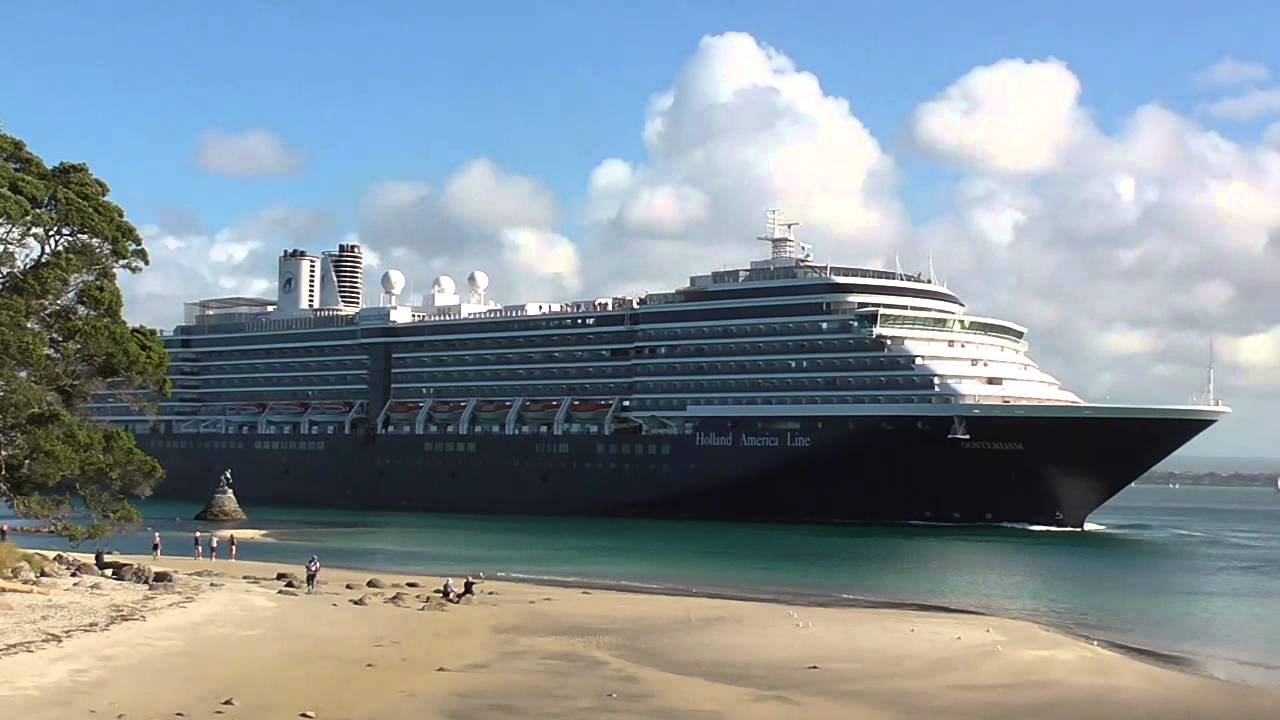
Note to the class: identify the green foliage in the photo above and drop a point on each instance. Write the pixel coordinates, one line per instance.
(63, 338)
(11, 555)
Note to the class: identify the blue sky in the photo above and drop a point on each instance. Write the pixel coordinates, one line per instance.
(1123, 236)
(402, 90)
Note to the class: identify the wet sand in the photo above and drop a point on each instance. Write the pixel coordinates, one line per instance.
(534, 651)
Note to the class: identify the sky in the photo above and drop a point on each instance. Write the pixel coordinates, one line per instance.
(1107, 174)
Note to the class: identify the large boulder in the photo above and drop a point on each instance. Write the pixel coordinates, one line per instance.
(52, 570)
(22, 572)
(66, 561)
(222, 507)
(86, 569)
(140, 574)
(375, 583)
(286, 576)
(162, 576)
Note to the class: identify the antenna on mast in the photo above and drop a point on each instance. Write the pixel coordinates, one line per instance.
(897, 266)
(781, 236)
(1210, 397)
(933, 277)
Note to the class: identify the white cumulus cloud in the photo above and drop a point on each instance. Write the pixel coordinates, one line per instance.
(1011, 116)
(1247, 106)
(741, 129)
(252, 153)
(1229, 72)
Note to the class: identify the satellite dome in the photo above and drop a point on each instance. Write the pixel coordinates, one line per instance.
(393, 282)
(478, 280)
(444, 284)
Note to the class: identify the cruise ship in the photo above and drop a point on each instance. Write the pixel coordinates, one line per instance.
(790, 390)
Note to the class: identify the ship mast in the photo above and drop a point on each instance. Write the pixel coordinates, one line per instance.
(1210, 396)
(781, 236)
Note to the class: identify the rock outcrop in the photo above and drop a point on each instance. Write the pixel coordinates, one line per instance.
(140, 574)
(222, 507)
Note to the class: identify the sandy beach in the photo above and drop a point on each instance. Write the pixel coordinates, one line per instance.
(526, 651)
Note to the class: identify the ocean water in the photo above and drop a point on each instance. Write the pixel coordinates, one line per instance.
(1193, 572)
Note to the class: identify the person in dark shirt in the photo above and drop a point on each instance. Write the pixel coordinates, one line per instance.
(313, 570)
(469, 586)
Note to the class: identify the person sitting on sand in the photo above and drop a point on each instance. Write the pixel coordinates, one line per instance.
(199, 550)
(155, 546)
(313, 569)
(232, 542)
(449, 592)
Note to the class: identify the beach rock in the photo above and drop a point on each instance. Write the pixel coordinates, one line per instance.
(204, 574)
(111, 565)
(66, 560)
(162, 576)
(444, 668)
(217, 584)
(140, 574)
(22, 572)
(283, 576)
(290, 593)
(86, 569)
(306, 714)
(814, 667)
(231, 702)
(364, 600)
(292, 584)
(162, 587)
(375, 583)
(413, 584)
(222, 507)
(353, 586)
(52, 570)
(492, 592)
(399, 600)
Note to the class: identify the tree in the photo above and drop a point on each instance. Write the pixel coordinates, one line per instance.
(62, 338)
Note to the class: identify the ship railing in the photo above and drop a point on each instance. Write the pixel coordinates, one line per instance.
(420, 420)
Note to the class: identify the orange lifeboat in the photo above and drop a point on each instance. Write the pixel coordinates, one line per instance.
(447, 410)
(541, 409)
(590, 409)
(493, 409)
(405, 408)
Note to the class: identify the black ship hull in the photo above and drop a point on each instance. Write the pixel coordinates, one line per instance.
(1051, 470)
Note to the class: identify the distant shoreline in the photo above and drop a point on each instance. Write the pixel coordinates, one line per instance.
(1207, 479)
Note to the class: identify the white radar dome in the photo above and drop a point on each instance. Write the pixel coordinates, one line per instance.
(444, 284)
(478, 280)
(393, 282)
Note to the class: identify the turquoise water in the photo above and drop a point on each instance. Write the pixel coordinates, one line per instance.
(1193, 571)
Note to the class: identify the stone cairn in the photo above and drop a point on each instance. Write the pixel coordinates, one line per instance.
(222, 507)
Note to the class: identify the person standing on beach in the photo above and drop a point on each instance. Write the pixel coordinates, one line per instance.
(155, 547)
(199, 550)
(4, 532)
(233, 547)
(213, 546)
(313, 569)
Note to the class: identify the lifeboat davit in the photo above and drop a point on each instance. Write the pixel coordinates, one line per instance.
(590, 409)
(541, 409)
(493, 409)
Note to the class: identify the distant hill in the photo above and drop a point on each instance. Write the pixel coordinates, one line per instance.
(1234, 479)
(1226, 465)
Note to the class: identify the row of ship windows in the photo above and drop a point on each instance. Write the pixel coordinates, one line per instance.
(682, 403)
(219, 444)
(716, 349)
(268, 366)
(282, 381)
(718, 385)
(770, 366)
(705, 330)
